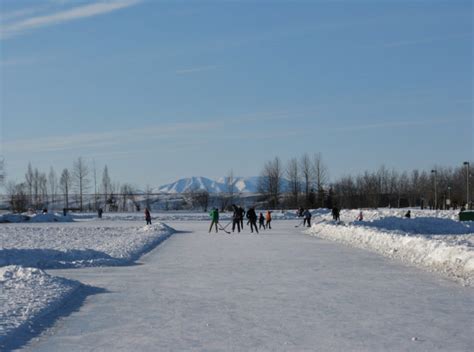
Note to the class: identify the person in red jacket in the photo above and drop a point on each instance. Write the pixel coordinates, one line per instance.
(268, 218)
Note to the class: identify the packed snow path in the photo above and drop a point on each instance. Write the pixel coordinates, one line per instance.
(277, 291)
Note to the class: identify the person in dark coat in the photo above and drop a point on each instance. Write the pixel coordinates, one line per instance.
(236, 220)
(241, 214)
(261, 221)
(335, 214)
(147, 216)
(408, 214)
(300, 212)
(307, 218)
(252, 216)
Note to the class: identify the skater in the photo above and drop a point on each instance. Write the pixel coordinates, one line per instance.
(236, 218)
(147, 216)
(408, 214)
(360, 217)
(300, 212)
(252, 216)
(99, 213)
(335, 214)
(214, 214)
(307, 217)
(268, 218)
(261, 221)
(241, 214)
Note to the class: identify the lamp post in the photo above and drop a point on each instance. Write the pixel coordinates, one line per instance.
(467, 183)
(435, 189)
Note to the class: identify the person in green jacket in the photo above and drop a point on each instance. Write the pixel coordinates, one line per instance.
(214, 214)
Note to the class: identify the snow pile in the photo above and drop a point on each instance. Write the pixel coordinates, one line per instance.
(438, 244)
(348, 215)
(7, 218)
(421, 225)
(51, 218)
(78, 244)
(14, 218)
(27, 294)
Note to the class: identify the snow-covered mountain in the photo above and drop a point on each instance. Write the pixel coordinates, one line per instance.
(240, 184)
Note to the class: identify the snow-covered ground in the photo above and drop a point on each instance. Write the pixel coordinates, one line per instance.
(430, 239)
(27, 294)
(78, 244)
(15, 218)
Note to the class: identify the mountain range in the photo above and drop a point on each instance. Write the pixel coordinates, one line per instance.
(195, 183)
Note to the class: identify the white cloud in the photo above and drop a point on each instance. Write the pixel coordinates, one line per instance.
(103, 139)
(20, 26)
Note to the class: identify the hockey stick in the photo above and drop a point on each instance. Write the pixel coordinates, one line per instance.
(223, 229)
(314, 223)
(301, 223)
(228, 224)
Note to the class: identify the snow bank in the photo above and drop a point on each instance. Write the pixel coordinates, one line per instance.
(27, 294)
(349, 215)
(16, 218)
(422, 225)
(437, 244)
(77, 244)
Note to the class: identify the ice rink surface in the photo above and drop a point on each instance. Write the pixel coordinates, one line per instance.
(277, 291)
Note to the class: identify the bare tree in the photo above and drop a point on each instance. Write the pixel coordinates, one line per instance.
(65, 182)
(80, 173)
(148, 193)
(292, 172)
(270, 181)
(106, 184)
(29, 183)
(306, 174)
(112, 201)
(128, 193)
(42, 190)
(53, 185)
(94, 171)
(36, 187)
(321, 177)
(17, 196)
(200, 198)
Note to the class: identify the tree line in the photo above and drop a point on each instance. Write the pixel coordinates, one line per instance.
(304, 182)
(76, 188)
(300, 182)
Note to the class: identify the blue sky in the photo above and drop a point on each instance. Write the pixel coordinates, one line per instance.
(159, 90)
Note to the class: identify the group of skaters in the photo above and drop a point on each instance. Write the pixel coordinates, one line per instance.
(264, 221)
(238, 216)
